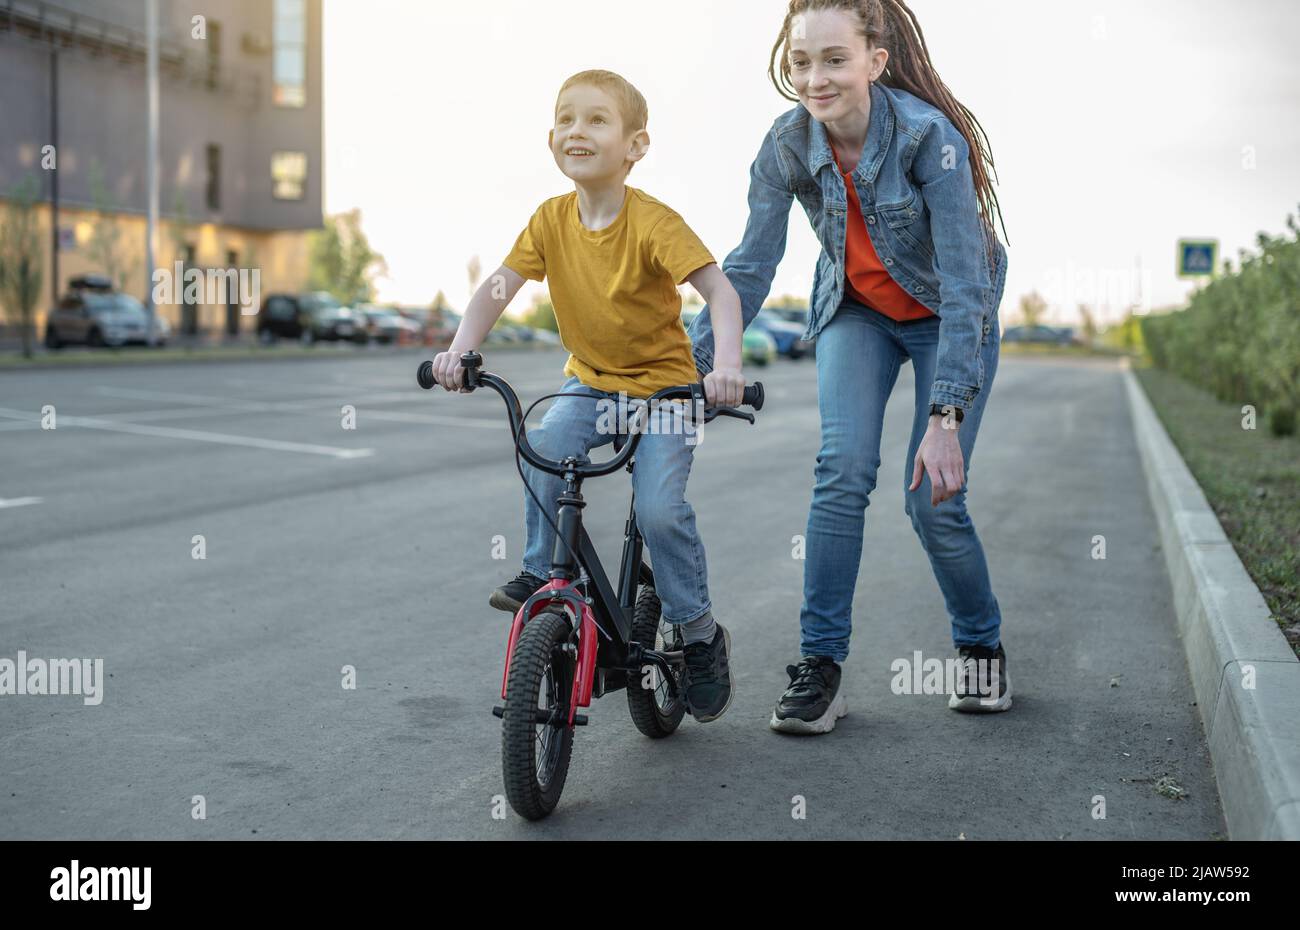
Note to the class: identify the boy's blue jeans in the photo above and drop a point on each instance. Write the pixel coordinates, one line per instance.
(858, 357)
(573, 426)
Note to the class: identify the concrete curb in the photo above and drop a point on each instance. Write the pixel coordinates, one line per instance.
(208, 356)
(1229, 635)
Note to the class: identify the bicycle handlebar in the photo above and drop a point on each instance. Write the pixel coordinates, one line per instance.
(475, 378)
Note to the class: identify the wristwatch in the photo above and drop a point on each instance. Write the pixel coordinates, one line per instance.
(941, 410)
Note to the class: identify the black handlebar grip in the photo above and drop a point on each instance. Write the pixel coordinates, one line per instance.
(754, 395)
(425, 376)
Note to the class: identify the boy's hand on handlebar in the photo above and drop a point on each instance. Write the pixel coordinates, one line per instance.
(724, 387)
(448, 371)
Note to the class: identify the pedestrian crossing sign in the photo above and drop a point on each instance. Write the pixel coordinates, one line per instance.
(1197, 258)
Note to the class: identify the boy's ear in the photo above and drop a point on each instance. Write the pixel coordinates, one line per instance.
(550, 139)
(638, 146)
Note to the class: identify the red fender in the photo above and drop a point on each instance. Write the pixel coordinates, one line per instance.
(585, 680)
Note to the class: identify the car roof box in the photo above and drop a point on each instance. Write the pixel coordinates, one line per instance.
(94, 282)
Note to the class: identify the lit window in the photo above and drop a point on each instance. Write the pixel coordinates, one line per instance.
(289, 59)
(288, 175)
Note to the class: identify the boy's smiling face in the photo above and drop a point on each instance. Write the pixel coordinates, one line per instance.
(588, 142)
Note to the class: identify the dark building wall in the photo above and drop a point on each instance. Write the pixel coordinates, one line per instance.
(103, 117)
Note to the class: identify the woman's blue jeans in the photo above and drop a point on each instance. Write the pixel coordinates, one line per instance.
(859, 354)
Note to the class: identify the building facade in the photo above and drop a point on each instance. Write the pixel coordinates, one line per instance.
(240, 140)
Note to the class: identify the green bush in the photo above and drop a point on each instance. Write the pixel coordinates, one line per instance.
(1240, 335)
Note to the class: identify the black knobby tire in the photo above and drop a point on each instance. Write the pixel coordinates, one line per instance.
(655, 712)
(535, 757)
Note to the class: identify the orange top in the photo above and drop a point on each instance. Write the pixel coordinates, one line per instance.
(865, 277)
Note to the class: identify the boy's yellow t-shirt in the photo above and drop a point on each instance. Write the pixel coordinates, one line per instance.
(615, 290)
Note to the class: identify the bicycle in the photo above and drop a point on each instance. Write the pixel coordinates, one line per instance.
(577, 637)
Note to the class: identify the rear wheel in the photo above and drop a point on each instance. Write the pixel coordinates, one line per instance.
(654, 710)
(536, 738)
(52, 340)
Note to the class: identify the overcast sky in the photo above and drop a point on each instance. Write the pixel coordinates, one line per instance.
(1117, 127)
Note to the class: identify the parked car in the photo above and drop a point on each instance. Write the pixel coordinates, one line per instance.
(95, 313)
(420, 320)
(387, 325)
(756, 346)
(788, 336)
(309, 318)
(513, 332)
(798, 315)
(1042, 335)
(444, 325)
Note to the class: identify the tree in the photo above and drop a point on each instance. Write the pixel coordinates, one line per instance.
(541, 315)
(475, 269)
(20, 260)
(787, 302)
(1032, 309)
(342, 261)
(1089, 323)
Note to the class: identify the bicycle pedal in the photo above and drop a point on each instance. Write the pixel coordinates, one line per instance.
(579, 720)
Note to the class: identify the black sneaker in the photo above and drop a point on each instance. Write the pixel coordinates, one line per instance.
(706, 679)
(983, 686)
(511, 595)
(813, 701)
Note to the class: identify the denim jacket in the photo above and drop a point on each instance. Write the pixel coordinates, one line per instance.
(918, 198)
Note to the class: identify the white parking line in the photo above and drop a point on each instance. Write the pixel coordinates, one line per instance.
(360, 402)
(167, 432)
(19, 501)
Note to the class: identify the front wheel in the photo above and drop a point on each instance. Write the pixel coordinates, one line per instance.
(654, 710)
(536, 738)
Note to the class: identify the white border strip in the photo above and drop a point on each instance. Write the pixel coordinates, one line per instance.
(1229, 637)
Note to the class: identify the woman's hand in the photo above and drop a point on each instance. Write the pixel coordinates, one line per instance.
(940, 456)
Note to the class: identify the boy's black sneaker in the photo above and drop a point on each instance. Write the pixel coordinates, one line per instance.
(983, 685)
(511, 595)
(813, 701)
(706, 679)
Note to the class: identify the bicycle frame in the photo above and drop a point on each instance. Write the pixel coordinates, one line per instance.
(603, 619)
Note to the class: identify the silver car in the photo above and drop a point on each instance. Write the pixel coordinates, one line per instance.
(98, 317)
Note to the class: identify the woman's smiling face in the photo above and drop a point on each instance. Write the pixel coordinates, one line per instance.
(831, 67)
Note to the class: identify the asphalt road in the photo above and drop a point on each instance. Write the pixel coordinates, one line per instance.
(328, 547)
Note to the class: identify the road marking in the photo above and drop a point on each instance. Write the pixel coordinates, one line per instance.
(166, 432)
(219, 405)
(19, 501)
(396, 416)
(201, 400)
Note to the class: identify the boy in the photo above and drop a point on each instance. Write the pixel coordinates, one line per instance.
(613, 257)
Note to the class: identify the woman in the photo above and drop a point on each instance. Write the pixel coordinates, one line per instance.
(891, 171)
